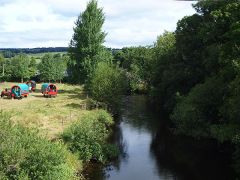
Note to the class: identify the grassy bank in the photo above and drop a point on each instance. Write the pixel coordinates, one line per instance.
(45, 121)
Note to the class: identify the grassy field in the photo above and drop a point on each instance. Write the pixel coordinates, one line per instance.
(49, 115)
(38, 56)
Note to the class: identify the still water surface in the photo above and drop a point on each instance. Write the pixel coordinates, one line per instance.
(150, 152)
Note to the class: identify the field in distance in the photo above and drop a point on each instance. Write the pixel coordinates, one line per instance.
(38, 56)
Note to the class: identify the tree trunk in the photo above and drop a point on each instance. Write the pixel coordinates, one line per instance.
(21, 80)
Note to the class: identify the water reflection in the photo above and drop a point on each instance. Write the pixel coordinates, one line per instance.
(149, 151)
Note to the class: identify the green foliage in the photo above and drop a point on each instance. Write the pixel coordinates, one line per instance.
(231, 107)
(108, 84)
(25, 155)
(194, 113)
(86, 47)
(168, 75)
(196, 74)
(32, 67)
(52, 67)
(47, 67)
(60, 66)
(195, 71)
(87, 137)
(137, 61)
(20, 67)
(2, 67)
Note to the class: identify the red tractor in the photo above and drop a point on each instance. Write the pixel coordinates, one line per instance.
(7, 93)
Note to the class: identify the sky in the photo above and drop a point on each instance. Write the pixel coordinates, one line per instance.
(49, 23)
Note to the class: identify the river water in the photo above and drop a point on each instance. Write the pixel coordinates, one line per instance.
(150, 152)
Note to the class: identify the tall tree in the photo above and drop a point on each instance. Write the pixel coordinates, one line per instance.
(137, 62)
(2, 65)
(60, 66)
(86, 46)
(46, 68)
(32, 67)
(20, 66)
(53, 67)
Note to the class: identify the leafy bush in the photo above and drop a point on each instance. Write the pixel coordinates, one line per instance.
(107, 84)
(25, 155)
(194, 113)
(88, 136)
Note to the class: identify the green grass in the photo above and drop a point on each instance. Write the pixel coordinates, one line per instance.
(50, 115)
(38, 56)
(36, 124)
(26, 155)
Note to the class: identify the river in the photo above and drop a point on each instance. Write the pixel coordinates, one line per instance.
(150, 152)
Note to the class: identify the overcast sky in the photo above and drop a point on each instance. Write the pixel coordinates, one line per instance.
(49, 23)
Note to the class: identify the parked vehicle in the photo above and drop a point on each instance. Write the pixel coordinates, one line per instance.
(32, 85)
(49, 90)
(6, 93)
(19, 91)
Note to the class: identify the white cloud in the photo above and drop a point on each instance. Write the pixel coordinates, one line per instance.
(34, 23)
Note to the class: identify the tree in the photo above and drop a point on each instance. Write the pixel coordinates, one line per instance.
(53, 67)
(168, 76)
(86, 46)
(207, 46)
(20, 67)
(60, 62)
(137, 62)
(32, 67)
(108, 84)
(2, 65)
(46, 68)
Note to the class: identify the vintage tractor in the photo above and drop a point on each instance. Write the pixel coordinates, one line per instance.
(6, 93)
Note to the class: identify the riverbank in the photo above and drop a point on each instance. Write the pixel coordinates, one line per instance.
(51, 120)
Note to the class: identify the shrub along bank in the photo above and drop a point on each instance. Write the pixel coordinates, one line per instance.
(26, 155)
(88, 137)
(107, 85)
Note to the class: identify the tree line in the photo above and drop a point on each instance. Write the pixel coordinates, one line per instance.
(10, 52)
(193, 73)
(52, 67)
